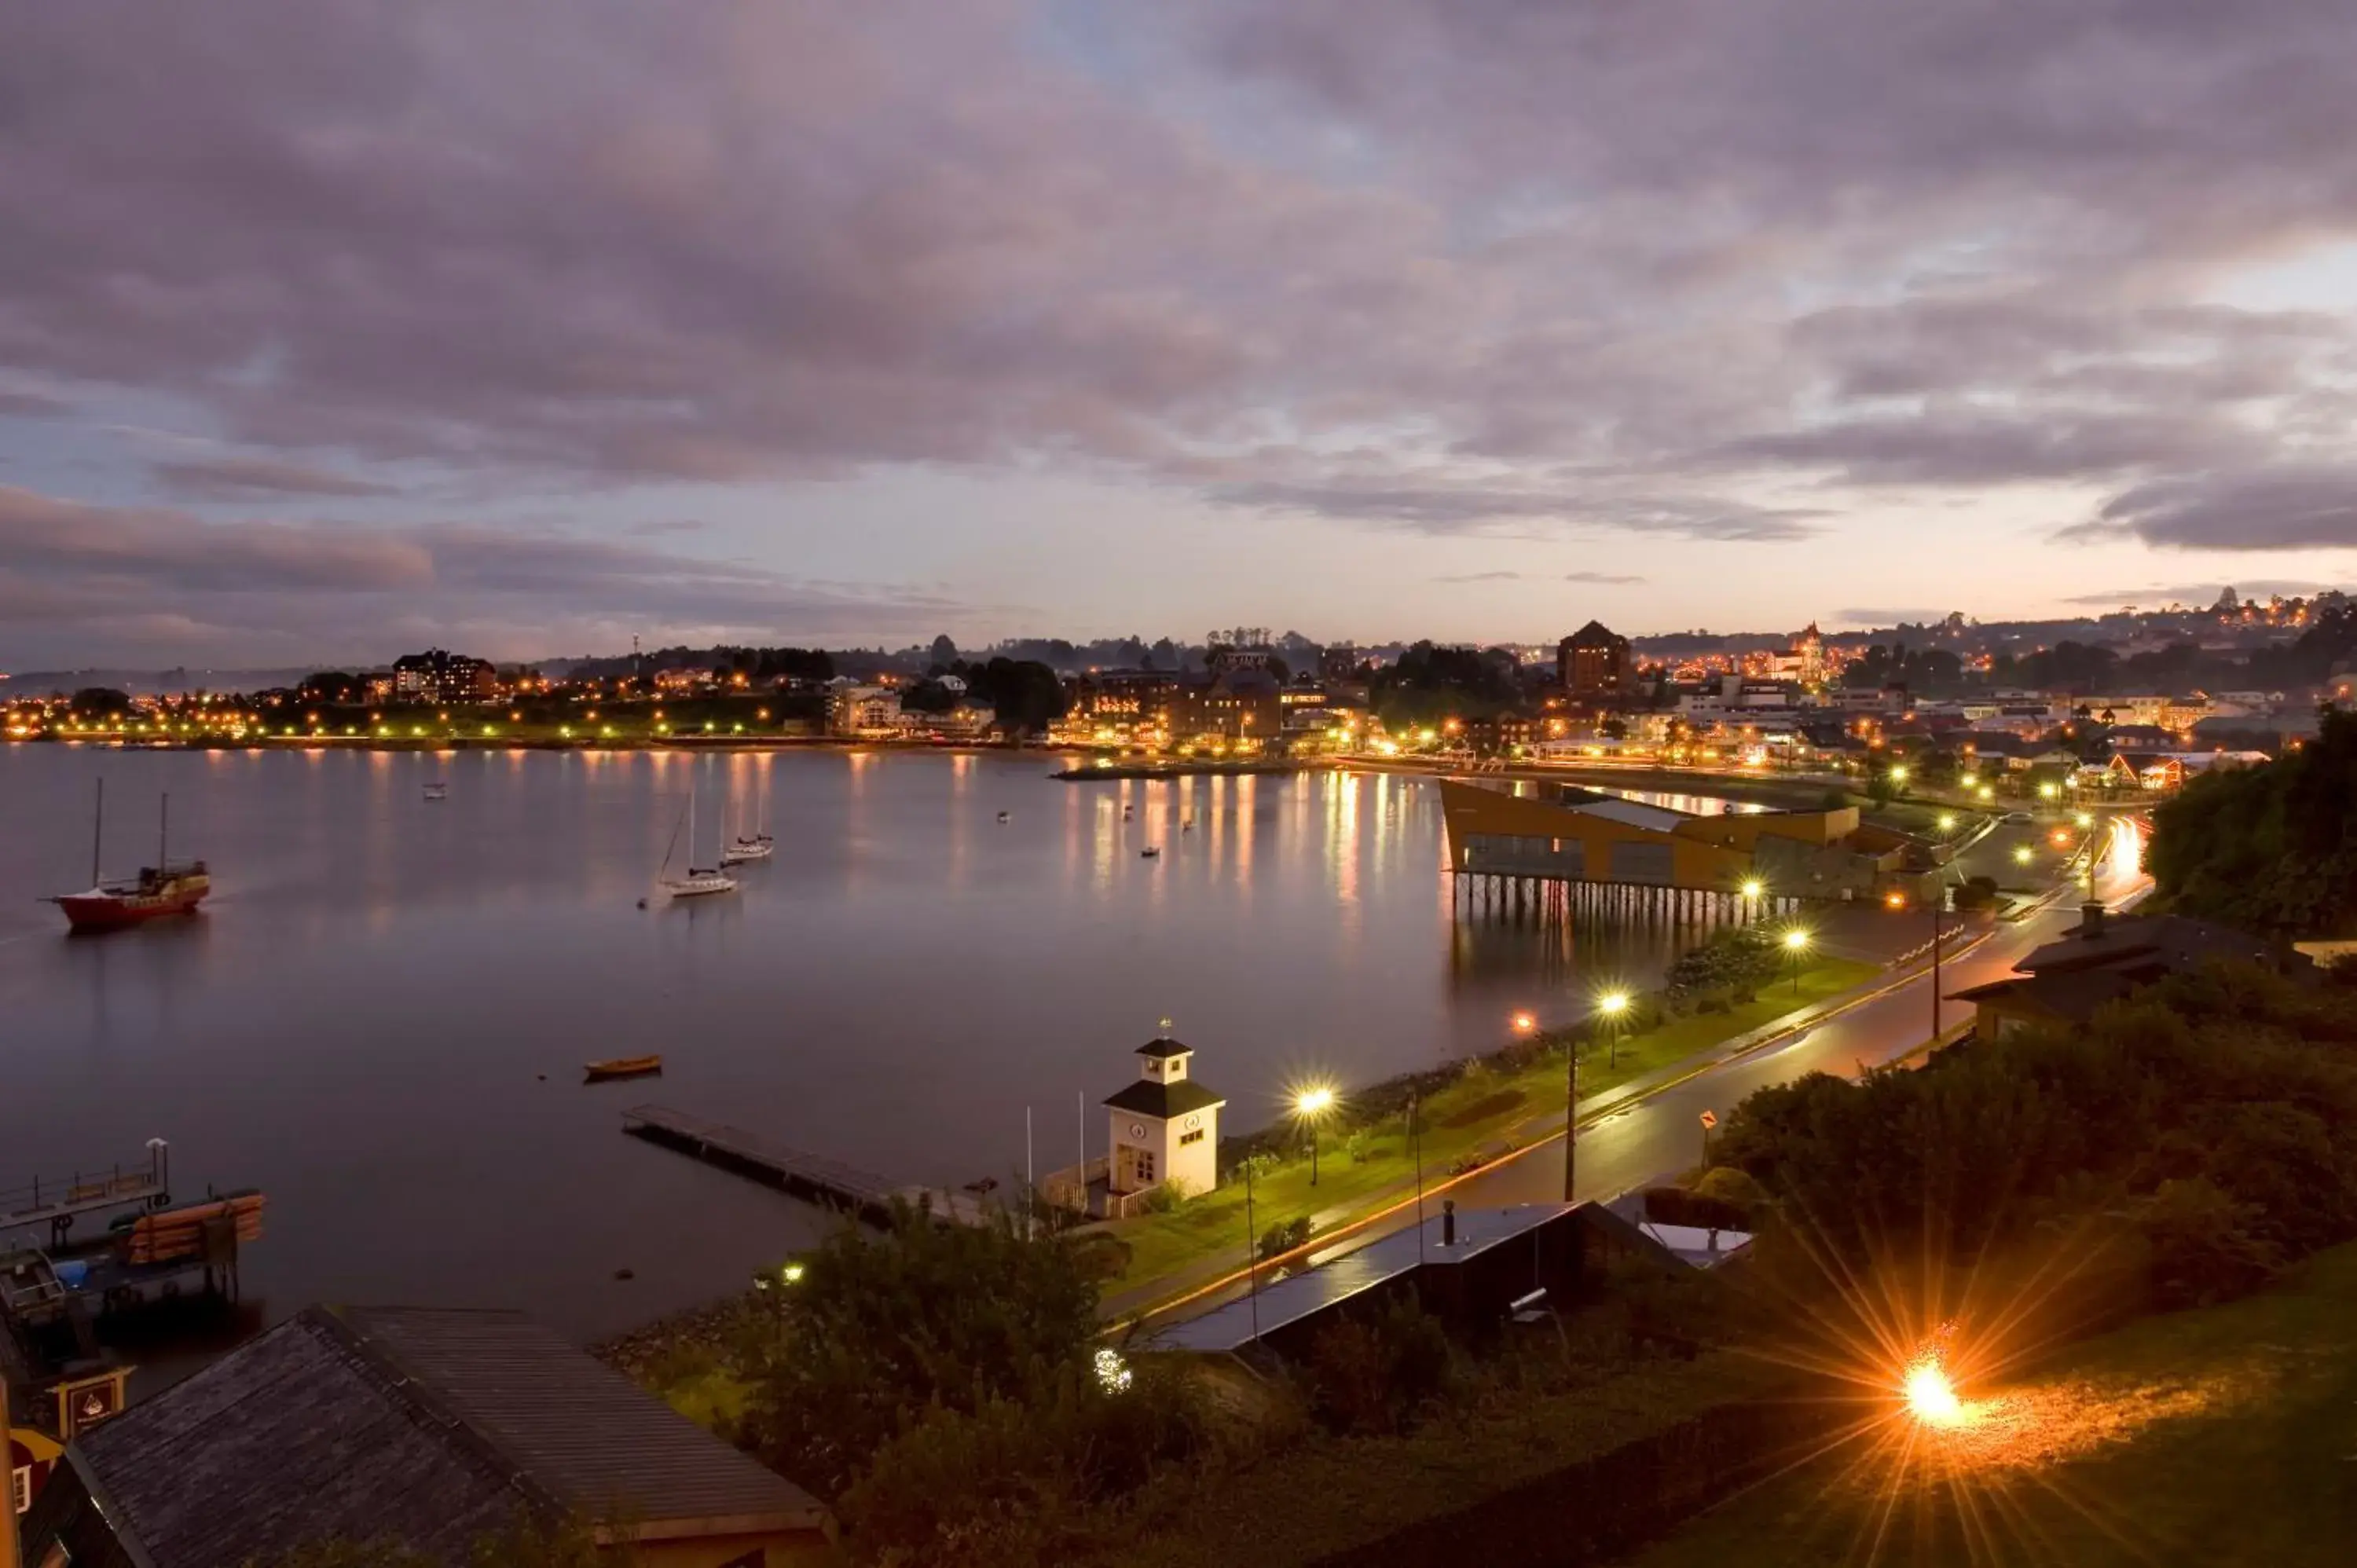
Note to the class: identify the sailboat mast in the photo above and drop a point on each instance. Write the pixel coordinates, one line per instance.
(164, 836)
(691, 827)
(97, 833)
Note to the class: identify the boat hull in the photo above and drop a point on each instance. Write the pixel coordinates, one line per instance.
(101, 911)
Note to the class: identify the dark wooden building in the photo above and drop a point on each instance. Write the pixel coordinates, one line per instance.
(424, 1428)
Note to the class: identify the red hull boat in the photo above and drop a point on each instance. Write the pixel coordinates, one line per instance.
(158, 892)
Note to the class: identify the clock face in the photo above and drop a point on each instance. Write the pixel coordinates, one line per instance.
(1194, 1121)
(1137, 1129)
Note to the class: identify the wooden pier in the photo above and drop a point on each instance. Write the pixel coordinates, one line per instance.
(814, 1178)
(57, 1203)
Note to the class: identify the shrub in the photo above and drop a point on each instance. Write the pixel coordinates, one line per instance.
(2203, 1245)
(1374, 1373)
(877, 1328)
(1164, 1197)
(1284, 1236)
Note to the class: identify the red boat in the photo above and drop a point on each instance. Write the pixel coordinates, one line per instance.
(160, 890)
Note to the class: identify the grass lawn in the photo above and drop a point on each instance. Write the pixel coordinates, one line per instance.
(2227, 1436)
(1487, 1111)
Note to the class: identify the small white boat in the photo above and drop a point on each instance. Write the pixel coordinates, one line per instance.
(1002, 816)
(699, 882)
(1151, 851)
(437, 791)
(755, 845)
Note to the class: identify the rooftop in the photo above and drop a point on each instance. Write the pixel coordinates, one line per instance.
(1165, 1101)
(1313, 1291)
(1163, 1048)
(427, 1427)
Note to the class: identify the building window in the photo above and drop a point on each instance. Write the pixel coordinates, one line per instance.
(20, 1487)
(1145, 1166)
(1194, 1137)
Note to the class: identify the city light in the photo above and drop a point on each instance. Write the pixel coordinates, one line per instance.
(1796, 940)
(1947, 822)
(2085, 818)
(1895, 900)
(1313, 1101)
(2021, 856)
(1988, 793)
(1899, 775)
(1613, 1003)
(1525, 1023)
(1754, 887)
(1969, 780)
(2049, 791)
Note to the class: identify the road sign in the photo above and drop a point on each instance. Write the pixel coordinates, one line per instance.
(1709, 1119)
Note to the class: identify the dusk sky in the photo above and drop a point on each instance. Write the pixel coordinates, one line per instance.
(332, 328)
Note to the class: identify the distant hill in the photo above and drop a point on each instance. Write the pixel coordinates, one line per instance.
(38, 682)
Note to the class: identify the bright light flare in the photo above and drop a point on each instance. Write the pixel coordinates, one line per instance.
(1930, 1397)
(1525, 1023)
(1315, 1100)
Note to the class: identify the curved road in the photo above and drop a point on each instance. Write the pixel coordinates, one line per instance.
(1661, 1133)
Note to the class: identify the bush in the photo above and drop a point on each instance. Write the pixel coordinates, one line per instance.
(2203, 1245)
(1164, 1197)
(1374, 1373)
(1976, 893)
(1284, 1236)
(998, 1484)
(878, 1328)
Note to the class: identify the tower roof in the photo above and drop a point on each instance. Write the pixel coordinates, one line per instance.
(1594, 634)
(1163, 1048)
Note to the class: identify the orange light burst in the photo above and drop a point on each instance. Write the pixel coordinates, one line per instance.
(1930, 1397)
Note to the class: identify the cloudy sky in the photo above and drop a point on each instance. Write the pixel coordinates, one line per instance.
(329, 328)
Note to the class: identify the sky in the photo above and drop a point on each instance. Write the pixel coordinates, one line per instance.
(332, 328)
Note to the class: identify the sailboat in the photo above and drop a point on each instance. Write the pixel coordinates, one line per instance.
(755, 845)
(158, 890)
(699, 882)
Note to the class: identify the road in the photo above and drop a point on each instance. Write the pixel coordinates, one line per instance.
(1662, 1133)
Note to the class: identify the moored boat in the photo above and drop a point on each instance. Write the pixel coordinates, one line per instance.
(699, 882)
(621, 1067)
(160, 891)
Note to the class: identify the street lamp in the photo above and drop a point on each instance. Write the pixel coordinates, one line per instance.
(1796, 942)
(1309, 1105)
(1947, 822)
(1612, 1007)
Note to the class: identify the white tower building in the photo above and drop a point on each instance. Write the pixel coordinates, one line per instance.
(1165, 1126)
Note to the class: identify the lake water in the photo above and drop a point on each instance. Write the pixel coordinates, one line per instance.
(380, 1017)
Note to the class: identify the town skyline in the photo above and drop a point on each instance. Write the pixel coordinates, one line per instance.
(848, 326)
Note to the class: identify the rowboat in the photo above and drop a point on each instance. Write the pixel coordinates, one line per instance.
(620, 1066)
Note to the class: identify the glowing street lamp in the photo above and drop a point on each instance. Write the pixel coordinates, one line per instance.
(1613, 1008)
(1947, 822)
(2085, 818)
(1796, 942)
(2021, 856)
(1987, 792)
(1525, 1023)
(2049, 791)
(1309, 1106)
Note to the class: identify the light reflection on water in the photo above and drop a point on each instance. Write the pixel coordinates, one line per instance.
(382, 1018)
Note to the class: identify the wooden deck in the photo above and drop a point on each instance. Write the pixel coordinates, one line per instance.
(814, 1178)
(56, 1203)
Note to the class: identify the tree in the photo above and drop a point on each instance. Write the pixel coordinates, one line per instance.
(874, 1329)
(943, 652)
(333, 687)
(101, 701)
(2273, 848)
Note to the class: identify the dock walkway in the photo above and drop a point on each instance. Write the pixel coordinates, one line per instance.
(811, 1177)
(56, 1204)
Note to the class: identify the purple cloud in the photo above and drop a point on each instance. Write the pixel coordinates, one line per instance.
(237, 478)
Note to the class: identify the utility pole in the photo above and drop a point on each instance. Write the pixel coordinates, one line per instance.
(1938, 899)
(8, 1558)
(1570, 1117)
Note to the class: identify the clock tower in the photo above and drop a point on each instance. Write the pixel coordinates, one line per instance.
(1165, 1126)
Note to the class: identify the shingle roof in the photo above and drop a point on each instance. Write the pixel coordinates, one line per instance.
(432, 1428)
(577, 1428)
(1163, 1046)
(1167, 1101)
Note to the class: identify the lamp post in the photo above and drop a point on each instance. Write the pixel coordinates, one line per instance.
(1796, 942)
(1309, 1105)
(1612, 1007)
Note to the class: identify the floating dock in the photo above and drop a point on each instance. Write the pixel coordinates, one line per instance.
(814, 1178)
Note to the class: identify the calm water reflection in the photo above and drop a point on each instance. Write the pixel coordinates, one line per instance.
(361, 1021)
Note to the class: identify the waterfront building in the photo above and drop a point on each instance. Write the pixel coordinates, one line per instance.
(1595, 663)
(2107, 958)
(1241, 708)
(856, 713)
(439, 675)
(1165, 1127)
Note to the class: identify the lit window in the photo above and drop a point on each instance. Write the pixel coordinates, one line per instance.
(1187, 1138)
